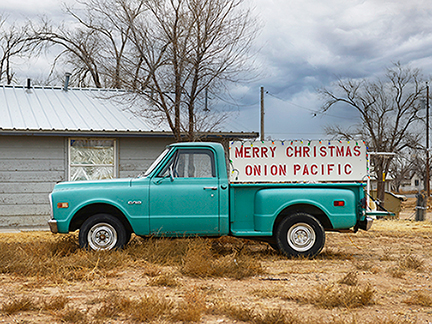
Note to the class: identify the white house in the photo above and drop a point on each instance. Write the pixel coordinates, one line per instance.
(52, 134)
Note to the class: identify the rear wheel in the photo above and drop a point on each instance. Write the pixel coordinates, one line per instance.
(102, 232)
(300, 235)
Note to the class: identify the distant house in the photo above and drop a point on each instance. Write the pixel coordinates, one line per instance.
(414, 183)
(51, 134)
(374, 182)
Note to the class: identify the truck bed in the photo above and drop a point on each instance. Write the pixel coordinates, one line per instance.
(255, 206)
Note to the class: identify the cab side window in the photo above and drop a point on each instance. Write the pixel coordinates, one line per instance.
(191, 163)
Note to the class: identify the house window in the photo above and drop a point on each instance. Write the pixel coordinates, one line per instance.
(416, 183)
(92, 159)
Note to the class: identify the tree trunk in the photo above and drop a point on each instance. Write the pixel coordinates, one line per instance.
(191, 123)
(381, 191)
(379, 170)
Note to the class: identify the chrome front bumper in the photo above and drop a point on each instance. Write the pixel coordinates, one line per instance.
(53, 225)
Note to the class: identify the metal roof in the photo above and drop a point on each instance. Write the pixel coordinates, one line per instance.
(40, 110)
(52, 109)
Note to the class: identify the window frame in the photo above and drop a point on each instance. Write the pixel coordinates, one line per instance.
(174, 160)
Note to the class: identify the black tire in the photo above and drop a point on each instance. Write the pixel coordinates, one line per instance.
(128, 236)
(300, 235)
(102, 232)
(274, 246)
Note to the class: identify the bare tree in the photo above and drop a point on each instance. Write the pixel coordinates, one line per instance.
(15, 42)
(388, 112)
(79, 51)
(403, 166)
(94, 46)
(186, 49)
(169, 54)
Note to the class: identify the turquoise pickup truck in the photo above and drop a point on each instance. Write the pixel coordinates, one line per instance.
(186, 192)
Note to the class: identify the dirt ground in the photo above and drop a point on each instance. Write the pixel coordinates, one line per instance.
(393, 260)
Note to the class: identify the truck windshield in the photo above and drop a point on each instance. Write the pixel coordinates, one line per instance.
(156, 162)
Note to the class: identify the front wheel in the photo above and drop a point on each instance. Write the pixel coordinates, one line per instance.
(102, 232)
(300, 235)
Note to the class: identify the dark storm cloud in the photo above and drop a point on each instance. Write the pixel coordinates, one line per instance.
(306, 45)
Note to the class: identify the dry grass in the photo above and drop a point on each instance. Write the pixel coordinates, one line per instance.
(363, 265)
(149, 308)
(396, 272)
(332, 296)
(54, 303)
(410, 262)
(233, 311)
(331, 253)
(72, 315)
(387, 254)
(269, 292)
(61, 259)
(20, 304)
(162, 251)
(277, 316)
(150, 269)
(192, 307)
(164, 280)
(420, 298)
(220, 280)
(200, 261)
(15, 305)
(113, 306)
(249, 315)
(144, 309)
(350, 279)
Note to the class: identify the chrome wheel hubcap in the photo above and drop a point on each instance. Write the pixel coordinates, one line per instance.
(301, 237)
(102, 236)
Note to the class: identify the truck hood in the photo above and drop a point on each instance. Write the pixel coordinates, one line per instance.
(77, 185)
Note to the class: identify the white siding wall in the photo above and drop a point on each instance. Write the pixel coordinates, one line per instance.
(137, 154)
(29, 168)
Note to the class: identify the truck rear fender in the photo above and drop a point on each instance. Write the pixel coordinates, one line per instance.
(95, 208)
(304, 208)
(272, 205)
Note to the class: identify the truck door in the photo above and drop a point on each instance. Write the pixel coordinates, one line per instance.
(184, 196)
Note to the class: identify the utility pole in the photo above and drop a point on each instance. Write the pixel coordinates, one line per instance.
(206, 100)
(427, 143)
(262, 114)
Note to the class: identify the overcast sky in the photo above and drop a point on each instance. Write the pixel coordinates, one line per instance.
(304, 45)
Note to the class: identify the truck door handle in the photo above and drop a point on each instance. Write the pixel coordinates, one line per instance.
(210, 188)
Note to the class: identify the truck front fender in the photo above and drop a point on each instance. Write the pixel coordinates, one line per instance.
(273, 202)
(81, 212)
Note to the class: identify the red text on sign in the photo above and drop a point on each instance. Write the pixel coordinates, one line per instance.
(322, 151)
(322, 169)
(249, 152)
(264, 170)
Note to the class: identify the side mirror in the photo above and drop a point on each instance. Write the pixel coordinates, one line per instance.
(169, 175)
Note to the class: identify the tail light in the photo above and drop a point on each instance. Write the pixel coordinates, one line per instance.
(339, 203)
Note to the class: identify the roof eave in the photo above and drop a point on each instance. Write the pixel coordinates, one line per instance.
(104, 133)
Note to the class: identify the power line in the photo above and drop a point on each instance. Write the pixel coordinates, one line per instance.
(314, 112)
(236, 104)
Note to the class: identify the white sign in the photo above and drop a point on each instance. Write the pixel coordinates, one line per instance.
(292, 161)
